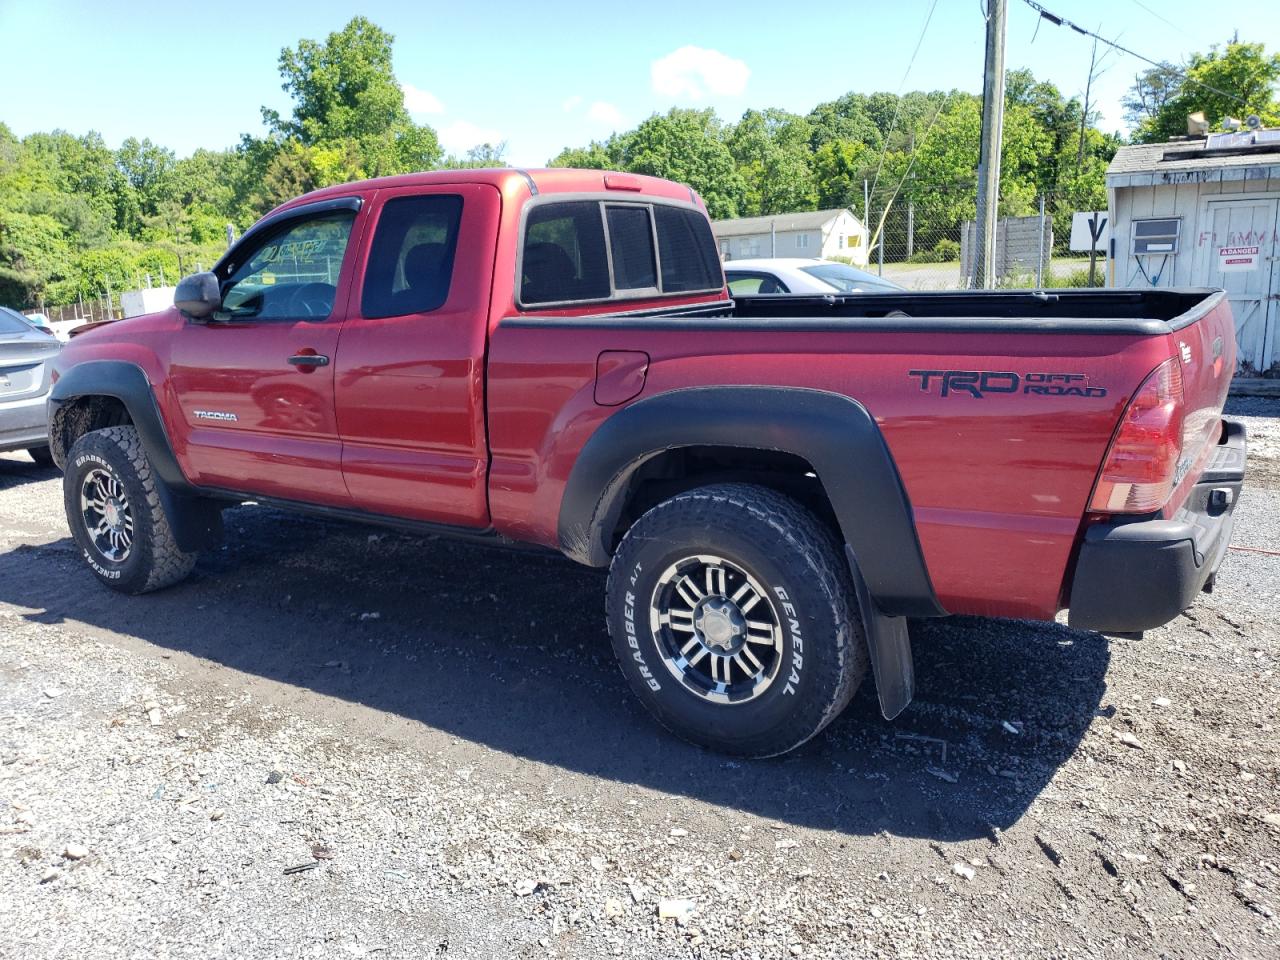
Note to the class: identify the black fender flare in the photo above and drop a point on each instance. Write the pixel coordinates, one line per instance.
(843, 444)
(834, 433)
(196, 520)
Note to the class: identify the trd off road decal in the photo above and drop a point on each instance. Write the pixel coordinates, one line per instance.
(986, 383)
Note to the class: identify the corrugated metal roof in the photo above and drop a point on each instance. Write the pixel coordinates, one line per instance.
(1130, 164)
(781, 223)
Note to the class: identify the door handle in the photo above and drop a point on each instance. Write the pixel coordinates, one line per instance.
(307, 360)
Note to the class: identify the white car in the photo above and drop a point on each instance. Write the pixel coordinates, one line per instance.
(795, 275)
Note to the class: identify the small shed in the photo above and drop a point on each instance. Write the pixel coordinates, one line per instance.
(1202, 212)
(812, 233)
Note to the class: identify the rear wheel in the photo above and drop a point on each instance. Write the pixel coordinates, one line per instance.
(115, 513)
(41, 455)
(732, 614)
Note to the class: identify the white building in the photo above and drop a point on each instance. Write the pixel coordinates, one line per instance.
(1203, 213)
(815, 233)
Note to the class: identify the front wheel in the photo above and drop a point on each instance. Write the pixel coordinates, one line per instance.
(732, 615)
(116, 516)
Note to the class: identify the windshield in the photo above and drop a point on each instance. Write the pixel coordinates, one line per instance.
(848, 280)
(11, 322)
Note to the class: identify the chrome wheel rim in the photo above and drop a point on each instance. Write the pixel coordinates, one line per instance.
(104, 507)
(716, 628)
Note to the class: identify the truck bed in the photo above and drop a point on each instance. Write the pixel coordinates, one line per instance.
(997, 407)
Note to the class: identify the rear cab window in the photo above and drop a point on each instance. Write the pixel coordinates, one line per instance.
(595, 250)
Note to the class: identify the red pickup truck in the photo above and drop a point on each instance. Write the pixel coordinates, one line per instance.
(775, 484)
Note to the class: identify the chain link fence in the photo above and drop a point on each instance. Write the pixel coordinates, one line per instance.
(83, 311)
(930, 244)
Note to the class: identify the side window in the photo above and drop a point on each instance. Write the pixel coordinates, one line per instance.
(564, 255)
(411, 259)
(688, 250)
(293, 274)
(752, 284)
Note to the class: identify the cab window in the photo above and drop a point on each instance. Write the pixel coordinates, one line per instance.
(411, 260)
(292, 274)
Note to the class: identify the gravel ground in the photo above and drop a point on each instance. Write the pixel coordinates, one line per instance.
(338, 742)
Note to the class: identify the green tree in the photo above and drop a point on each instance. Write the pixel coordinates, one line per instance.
(342, 88)
(688, 146)
(847, 118)
(771, 150)
(1236, 81)
(34, 254)
(345, 95)
(839, 168)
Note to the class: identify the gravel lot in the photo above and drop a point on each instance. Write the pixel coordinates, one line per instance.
(437, 738)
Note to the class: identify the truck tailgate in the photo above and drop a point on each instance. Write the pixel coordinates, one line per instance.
(1203, 346)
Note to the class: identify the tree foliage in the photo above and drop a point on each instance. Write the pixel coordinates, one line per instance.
(78, 219)
(1234, 81)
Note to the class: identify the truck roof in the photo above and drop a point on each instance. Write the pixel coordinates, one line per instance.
(512, 180)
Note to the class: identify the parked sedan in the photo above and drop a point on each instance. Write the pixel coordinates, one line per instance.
(748, 278)
(26, 353)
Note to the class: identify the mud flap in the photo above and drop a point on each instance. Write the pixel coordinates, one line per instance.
(196, 521)
(889, 646)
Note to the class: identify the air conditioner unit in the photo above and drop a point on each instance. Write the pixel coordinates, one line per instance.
(1156, 237)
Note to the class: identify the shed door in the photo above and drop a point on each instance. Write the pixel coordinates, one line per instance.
(1251, 282)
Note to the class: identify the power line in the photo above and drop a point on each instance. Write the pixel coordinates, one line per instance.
(1058, 21)
(1161, 17)
(884, 146)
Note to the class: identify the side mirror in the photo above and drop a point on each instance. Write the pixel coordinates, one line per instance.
(198, 295)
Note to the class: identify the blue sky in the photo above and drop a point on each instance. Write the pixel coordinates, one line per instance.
(554, 73)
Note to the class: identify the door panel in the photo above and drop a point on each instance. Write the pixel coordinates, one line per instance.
(256, 423)
(1245, 223)
(255, 384)
(410, 387)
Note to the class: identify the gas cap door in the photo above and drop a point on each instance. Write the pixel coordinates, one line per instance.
(620, 376)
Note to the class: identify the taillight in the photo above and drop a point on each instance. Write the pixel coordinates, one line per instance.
(1142, 464)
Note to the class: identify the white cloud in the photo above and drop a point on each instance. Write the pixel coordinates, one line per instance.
(420, 101)
(571, 104)
(460, 136)
(605, 114)
(693, 73)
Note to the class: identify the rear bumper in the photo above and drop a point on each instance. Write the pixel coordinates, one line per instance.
(1132, 576)
(23, 423)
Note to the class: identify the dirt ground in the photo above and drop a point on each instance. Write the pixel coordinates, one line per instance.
(334, 741)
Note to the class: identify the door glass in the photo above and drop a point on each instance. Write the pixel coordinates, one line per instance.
(411, 260)
(293, 275)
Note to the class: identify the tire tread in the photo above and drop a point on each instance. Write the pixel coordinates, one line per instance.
(745, 507)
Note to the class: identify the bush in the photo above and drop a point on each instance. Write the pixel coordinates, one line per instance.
(1074, 279)
(943, 251)
(947, 249)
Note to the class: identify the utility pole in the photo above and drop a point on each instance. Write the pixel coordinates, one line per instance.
(992, 136)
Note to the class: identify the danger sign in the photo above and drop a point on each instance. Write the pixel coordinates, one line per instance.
(1232, 259)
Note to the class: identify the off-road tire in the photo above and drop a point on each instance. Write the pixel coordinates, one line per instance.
(800, 565)
(41, 455)
(154, 559)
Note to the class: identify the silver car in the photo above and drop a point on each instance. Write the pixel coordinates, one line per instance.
(26, 355)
